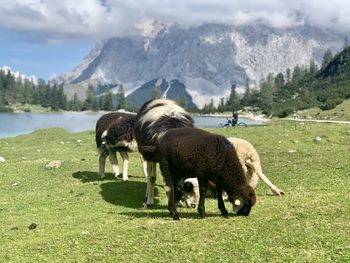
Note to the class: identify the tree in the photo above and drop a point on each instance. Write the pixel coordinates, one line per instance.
(108, 102)
(90, 98)
(121, 100)
(156, 93)
(75, 104)
(246, 100)
(62, 98)
(233, 102)
(327, 57)
(313, 67)
(54, 98)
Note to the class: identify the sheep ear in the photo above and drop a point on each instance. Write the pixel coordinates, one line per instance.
(238, 203)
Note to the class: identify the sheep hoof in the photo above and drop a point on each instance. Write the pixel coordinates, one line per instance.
(224, 213)
(203, 215)
(176, 216)
(146, 206)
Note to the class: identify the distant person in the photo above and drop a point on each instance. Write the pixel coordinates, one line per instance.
(234, 118)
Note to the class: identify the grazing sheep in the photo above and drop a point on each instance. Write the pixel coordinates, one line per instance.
(115, 133)
(190, 152)
(154, 119)
(251, 164)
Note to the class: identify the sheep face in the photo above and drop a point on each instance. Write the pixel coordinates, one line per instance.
(242, 203)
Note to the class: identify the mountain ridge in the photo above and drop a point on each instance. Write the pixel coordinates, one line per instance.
(206, 59)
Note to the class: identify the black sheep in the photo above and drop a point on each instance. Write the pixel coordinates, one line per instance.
(115, 133)
(191, 152)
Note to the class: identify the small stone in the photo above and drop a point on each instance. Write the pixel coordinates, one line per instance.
(79, 141)
(292, 151)
(2, 159)
(14, 184)
(32, 226)
(317, 139)
(54, 164)
(86, 233)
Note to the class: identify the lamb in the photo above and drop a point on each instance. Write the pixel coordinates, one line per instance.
(191, 152)
(115, 133)
(153, 120)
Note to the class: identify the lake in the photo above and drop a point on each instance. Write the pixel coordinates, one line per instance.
(14, 124)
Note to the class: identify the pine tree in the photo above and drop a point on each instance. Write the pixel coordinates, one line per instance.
(327, 57)
(54, 101)
(108, 102)
(156, 93)
(121, 100)
(233, 103)
(90, 98)
(62, 98)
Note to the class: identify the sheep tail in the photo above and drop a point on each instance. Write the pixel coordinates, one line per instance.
(262, 176)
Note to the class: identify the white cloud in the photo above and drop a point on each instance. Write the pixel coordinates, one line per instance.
(57, 19)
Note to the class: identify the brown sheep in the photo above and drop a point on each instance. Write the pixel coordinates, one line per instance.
(190, 152)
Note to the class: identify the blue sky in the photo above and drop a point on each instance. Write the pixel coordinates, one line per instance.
(40, 58)
(50, 37)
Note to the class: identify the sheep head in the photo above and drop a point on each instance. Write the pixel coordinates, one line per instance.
(243, 202)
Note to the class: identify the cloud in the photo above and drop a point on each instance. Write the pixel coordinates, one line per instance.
(55, 20)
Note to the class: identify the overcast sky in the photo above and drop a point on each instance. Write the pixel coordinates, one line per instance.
(48, 37)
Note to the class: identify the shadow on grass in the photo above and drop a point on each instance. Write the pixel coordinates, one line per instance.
(150, 213)
(88, 176)
(129, 194)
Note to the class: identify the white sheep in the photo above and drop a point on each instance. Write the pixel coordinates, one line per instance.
(251, 164)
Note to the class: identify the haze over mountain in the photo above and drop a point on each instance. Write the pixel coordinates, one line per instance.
(200, 63)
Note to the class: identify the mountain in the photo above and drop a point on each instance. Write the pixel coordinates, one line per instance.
(19, 75)
(203, 61)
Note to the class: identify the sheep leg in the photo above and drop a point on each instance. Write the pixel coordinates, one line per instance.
(202, 193)
(114, 162)
(144, 165)
(151, 181)
(170, 190)
(102, 162)
(221, 204)
(125, 158)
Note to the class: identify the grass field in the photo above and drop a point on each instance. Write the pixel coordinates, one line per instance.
(340, 113)
(80, 218)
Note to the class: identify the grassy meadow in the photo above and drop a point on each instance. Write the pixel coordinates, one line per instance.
(81, 218)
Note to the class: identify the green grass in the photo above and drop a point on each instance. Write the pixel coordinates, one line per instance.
(81, 218)
(339, 113)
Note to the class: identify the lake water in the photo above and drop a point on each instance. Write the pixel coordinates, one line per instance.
(13, 124)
